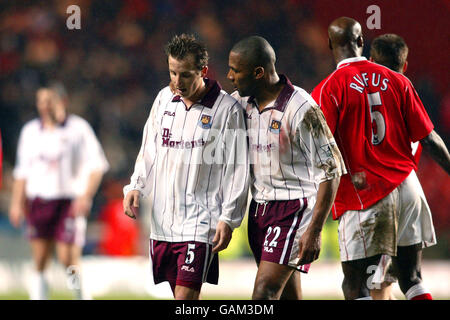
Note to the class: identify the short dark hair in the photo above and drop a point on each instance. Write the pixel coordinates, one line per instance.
(389, 50)
(257, 50)
(182, 45)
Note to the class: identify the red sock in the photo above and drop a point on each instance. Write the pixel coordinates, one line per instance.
(425, 296)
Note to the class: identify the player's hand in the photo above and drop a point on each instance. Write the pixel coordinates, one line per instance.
(222, 237)
(131, 204)
(309, 246)
(16, 214)
(82, 205)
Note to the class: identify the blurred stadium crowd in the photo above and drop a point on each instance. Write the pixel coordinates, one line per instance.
(114, 66)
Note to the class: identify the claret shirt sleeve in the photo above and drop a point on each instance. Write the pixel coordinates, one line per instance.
(146, 156)
(235, 169)
(417, 120)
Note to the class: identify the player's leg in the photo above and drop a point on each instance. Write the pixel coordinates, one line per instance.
(364, 237)
(415, 228)
(194, 264)
(41, 250)
(40, 232)
(274, 229)
(293, 288)
(185, 293)
(356, 277)
(384, 293)
(69, 256)
(270, 281)
(70, 238)
(407, 265)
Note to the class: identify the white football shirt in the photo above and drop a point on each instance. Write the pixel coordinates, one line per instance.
(291, 147)
(193, 165)
(57, 162)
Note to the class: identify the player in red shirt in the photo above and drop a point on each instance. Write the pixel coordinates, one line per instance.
(374, 114)
(390, 50)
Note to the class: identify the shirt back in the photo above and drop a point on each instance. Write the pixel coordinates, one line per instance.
(375, 114)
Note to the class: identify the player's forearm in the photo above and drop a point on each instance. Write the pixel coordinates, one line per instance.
(435, 146)
(18, 192)
(94, 182)
(325, 199)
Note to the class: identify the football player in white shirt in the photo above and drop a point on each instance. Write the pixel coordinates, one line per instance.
(193, 166)
(295, 169)
(59, 167)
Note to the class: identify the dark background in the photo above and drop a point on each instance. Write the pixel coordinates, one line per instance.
(114, 66)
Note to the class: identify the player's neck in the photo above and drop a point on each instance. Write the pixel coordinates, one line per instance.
(51, 122)
(340, 55)
(270, 91)
(48, 122)
(197, 96)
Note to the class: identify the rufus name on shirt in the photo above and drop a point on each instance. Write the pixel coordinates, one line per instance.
(362, 81)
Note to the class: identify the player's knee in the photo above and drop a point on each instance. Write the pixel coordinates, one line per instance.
(266, 289)
(351, 288)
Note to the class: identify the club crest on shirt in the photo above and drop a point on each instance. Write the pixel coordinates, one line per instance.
(205, 121)
(275, 126)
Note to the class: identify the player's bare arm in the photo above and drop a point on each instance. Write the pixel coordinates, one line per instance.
(131, 203)
(82, 205)
(222, 237)
(17, 207)
(310, 242)
(437, 149)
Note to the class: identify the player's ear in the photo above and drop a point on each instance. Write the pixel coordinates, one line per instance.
(371, 59)
(204, 71)
(259, 72)
(405, 66)
(360, 41)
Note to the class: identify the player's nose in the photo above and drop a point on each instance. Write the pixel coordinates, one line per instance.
(230, 75)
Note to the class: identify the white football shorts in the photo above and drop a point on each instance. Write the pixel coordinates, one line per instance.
(402, 218)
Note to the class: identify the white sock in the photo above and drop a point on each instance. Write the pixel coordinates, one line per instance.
(75, 284)
(415, 291)
(365, 298)
(39, 286)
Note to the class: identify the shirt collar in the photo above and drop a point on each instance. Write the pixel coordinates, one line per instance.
(283, 97)
(350, 60)
(213, 90)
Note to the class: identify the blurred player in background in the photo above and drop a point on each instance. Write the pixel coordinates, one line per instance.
(295, 169)
(390, 50)
(374, 114)
(193, 166)
(58, 170)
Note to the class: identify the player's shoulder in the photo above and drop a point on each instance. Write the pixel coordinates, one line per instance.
(75, 121)
(164, 95)
(229, 100)
(301, 99)
(242, 100)
(31, 125)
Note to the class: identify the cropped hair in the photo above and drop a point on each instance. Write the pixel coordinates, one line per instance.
(182, 45)
(389, 50)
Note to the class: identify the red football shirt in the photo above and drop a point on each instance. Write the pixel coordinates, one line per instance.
(375, 114)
